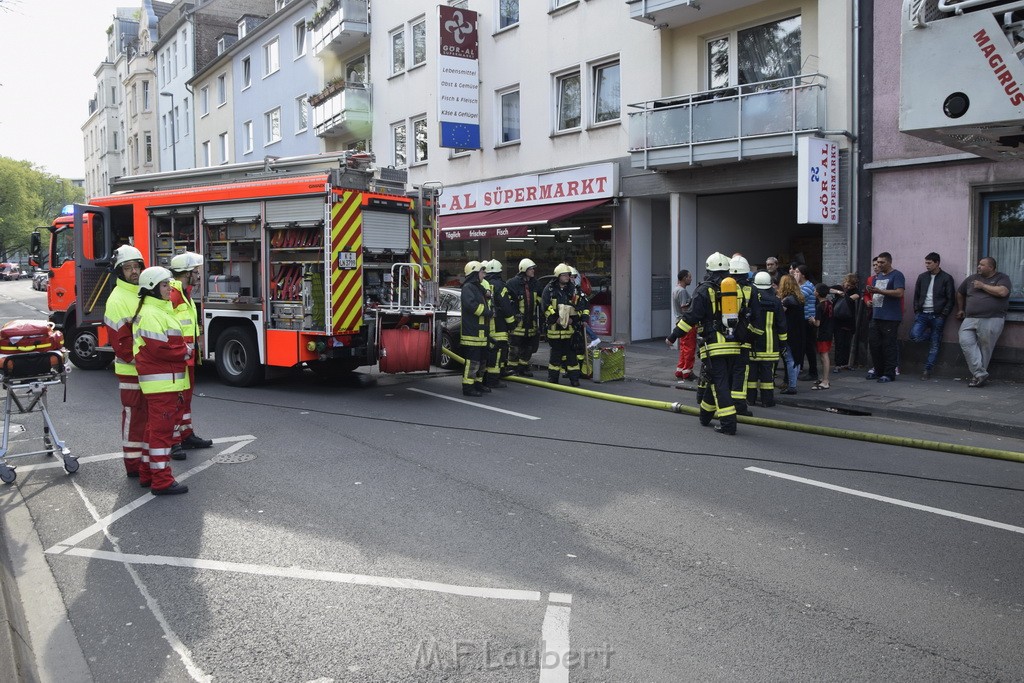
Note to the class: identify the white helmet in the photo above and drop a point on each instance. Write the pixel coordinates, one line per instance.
(125, 253)
(493, 266)
(739, 266)
(718, 262)
(763, 279)
(473, 267)
(562, 269)
(185, 262)
(151, 277)
(526, 264)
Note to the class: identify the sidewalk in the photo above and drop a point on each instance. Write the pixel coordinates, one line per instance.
(996, 408)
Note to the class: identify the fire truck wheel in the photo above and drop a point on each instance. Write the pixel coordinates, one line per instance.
(82, 345)
(238, 358)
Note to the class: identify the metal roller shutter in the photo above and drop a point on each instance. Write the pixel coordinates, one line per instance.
(386, 230)
(304, 211)
(242, 212)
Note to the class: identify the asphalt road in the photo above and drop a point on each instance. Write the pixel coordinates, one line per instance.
(394, 532)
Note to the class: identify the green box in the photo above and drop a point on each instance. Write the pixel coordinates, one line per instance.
(609, 363)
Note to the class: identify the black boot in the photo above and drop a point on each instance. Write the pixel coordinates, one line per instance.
(471, 390)
(493, 381)
(483, 388)
(193, 441)
(172, 490)
(553, 377)
(177, 452)
(525, 371)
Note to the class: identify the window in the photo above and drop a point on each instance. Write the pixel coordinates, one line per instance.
(133, 101)
(271, 57)
(176, 124)
(398, 51)
(188, 116)
(567, 90)
(419, 132)
(760, 53)
(207, 161)
(247, 136)
(222, 90)
(301, 114)
(398, 143)
(300, 38)
(149, 148)
(113, 94)
(355, 71)
(184, 48)
(204, 101)
(555, 4)
(246, 73)
(243, 28)
(419, 42)
(607, 105)
(163, 67)
(115, 141)
(145, 95)
(509, 105)
(174, 58)
(279, 4)
(224, 147)
(508, 13)
(133, 144)
(1002, 238)
(272, 124)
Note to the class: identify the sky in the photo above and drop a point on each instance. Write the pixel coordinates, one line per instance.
(49, 51)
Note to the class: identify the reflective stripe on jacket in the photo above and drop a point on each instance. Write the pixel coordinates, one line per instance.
(704, 314)
(767, 326)
(186, 313)
(475, 310)
(504, 318)
(117, 316)
(525, 296)
(159, 348)
(555, 294)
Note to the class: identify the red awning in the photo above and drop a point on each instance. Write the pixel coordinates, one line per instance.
(491, 221)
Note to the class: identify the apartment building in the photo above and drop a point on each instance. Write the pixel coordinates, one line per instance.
(945, 163)
(340, 39)
(140, 93)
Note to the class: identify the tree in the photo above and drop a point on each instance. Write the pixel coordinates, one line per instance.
(29, 198)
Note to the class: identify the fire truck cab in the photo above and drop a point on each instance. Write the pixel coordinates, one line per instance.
(319, 261)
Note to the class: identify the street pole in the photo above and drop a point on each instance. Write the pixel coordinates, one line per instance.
(174, 144)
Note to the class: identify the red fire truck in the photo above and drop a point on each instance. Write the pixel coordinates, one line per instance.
(320, 261)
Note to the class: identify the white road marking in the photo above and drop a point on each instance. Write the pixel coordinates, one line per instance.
(893, 501)
(53, 464)
(476, 404)
(308, 574)
(554, 635)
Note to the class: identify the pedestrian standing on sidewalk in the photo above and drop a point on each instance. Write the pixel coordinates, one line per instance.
(771, 265)
(886, 313)
(934, 296)
(844, 316)
(688, 343)
(823, 340)
(793, 305)
(802, 274)
(981, 302)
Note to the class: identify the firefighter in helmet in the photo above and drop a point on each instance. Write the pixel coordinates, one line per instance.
(117, 316)
(476, 312)
(160, 357)
(768, 336)
(501, 322)
(187, 272)
(524, 337)
(714, 316)
(560, 301)
(739, 270)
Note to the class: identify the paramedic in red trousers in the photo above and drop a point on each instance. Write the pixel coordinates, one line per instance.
(160, 357)
(718, 350)
(476, 308)
(187, 271)
(560, 302)
(502, 321)
(524, 337)
(688, 344)
(117, 316)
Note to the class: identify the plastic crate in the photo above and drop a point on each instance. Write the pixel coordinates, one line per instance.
(609, 363)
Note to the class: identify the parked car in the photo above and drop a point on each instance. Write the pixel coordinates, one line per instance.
(450, 301)
(10, 271)
(40, 281)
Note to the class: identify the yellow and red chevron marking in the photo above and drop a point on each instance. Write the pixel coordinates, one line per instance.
(346, 285)
(426, 259)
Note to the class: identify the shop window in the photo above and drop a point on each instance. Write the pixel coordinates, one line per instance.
(1002, 238)
(568, 104)
(607, 100)
(509, 117)
(752, 55)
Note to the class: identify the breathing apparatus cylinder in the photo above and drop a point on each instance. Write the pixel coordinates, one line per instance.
(730, 303)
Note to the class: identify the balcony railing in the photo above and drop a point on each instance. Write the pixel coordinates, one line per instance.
(345, 113)
(749, 121)
(340, 25)
(669, 14)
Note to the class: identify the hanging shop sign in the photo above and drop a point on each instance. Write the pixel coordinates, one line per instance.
(817, 190)
(598, 181)
(458, 79)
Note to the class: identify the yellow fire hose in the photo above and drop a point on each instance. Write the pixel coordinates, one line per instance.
(908, 442)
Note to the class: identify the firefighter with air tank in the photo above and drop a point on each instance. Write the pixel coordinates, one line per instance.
(476, 314)
(714, 311)
(524, 337)
(501, 322)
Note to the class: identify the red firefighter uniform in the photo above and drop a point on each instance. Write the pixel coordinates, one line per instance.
(186, 313)
(118, 314)
(160, 357)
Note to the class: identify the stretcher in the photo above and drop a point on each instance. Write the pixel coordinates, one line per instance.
(26, 377)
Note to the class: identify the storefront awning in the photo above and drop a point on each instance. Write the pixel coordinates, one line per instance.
(512, 222)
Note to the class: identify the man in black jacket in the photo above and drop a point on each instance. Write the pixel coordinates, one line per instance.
(934, 296)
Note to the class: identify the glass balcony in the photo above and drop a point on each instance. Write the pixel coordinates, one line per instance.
(750, 121)
(340, 25)
(669, 14)
(345, 113)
